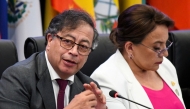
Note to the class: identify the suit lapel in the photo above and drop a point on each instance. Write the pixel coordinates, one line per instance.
(44, 84)
(45, 88)
(171, 82)
(76, 88)
(142, 98)
(134, 87)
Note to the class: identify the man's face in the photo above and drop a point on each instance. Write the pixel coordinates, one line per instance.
(68, 62)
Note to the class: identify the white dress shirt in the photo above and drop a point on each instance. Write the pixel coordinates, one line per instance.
(55, 76)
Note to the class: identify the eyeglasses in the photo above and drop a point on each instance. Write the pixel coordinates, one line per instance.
(159, 52)
(69, 44)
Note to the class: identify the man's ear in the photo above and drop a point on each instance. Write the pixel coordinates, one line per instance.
(49, 37)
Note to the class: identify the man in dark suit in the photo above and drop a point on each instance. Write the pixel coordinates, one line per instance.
(32, 83)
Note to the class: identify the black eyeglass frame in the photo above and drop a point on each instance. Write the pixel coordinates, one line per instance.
(73, 44)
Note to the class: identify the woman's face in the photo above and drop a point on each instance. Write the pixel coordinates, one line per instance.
(146, 55)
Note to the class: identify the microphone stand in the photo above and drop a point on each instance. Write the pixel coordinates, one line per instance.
(132, 101)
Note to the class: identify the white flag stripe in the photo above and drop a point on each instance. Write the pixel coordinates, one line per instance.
(28, 25)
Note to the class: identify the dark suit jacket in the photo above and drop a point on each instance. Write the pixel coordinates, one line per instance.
(27, 85)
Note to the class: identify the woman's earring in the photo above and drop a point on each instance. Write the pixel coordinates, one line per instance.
(130, 56)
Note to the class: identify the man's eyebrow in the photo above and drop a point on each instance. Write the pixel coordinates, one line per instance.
(69, 35)
(83, 40)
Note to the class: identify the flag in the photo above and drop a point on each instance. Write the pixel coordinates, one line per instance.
(61, 5)
(106, 12)
(177, 10)
(124, 4)
(3, 20)
(48, 14)
(24, 20)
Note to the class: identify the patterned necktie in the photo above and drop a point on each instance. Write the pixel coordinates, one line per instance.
(60, 98)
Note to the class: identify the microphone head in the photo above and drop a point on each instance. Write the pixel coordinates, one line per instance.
(113, 93)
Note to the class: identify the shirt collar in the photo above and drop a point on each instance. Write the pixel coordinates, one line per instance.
(53, 73)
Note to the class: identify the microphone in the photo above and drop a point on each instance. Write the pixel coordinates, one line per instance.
(114, 94)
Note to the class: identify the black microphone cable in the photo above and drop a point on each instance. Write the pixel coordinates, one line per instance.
(114, 94)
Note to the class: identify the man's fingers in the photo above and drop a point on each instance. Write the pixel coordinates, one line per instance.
(98, 93)
(88, 87)
(93, 85)
(87, 92)
(96, 90)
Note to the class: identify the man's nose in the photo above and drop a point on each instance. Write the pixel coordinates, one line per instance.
(74, 50)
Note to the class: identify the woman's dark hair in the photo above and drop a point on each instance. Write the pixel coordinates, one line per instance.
(136, 22)
(70, 20)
